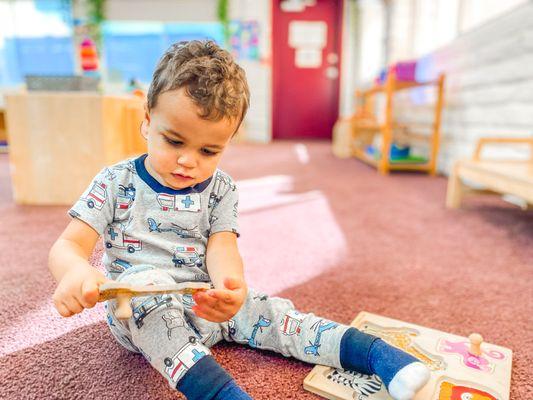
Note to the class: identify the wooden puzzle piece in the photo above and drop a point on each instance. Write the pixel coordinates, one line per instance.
(363, 385)
(454, 390)
(470, 352)
(123, 293)
(403, 338)
(450, 379)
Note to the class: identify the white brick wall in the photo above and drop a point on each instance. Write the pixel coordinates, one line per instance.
(489, 86)
(257, 123)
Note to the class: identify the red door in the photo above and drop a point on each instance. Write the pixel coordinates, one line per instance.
(306, 65)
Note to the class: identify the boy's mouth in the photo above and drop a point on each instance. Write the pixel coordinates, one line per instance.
(181, 176)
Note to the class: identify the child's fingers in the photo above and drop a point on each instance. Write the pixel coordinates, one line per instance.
(89, 293)
(203, 299)
(73, 305)
(66, 304)
(210, 314)
(222, 294)
(203, 313)
(211, 303)
(62, 309)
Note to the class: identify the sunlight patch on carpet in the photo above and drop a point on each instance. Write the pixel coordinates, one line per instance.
(42, 325)
(286, 238)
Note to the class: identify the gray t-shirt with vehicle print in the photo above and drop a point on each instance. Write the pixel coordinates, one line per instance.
(147, 225)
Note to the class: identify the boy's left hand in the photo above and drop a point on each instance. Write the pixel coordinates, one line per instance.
(219, 305)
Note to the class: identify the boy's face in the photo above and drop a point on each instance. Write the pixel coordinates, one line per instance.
(183, 149)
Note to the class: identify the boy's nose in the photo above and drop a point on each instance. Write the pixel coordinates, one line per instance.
(186, 160)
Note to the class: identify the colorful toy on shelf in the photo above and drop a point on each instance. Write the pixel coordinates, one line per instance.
(461, 368)
(88, 56)
(398, 154)
(405, 71)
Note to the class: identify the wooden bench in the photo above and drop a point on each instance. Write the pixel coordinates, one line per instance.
(507, 177)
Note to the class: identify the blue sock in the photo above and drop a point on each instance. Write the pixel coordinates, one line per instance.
(369, 355)
(230, 391)
(207, 380)
(387, 360)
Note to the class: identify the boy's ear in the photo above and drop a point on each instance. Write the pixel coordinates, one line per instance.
(145, 123)
(144, 129)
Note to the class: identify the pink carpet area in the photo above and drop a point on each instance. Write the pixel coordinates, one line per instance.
(332, 235)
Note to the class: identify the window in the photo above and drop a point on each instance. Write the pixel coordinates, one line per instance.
(132, 49)
(476, 12)
(36, 38)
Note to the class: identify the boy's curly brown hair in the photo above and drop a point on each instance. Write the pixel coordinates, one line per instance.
(212, 79)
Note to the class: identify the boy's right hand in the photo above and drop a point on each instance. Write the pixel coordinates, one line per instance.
(77, 290)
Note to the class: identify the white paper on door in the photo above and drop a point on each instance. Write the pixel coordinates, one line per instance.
(308, 34)
(308, 38)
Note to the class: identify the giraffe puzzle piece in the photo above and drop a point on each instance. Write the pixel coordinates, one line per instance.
(123, 293)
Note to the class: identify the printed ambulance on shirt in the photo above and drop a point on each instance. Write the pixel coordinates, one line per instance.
(144, 223)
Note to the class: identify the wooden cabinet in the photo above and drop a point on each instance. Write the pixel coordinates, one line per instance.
(59, 141)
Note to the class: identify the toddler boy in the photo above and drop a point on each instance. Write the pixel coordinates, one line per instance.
(171, 216)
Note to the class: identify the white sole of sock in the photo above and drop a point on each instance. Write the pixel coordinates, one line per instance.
(409, 380)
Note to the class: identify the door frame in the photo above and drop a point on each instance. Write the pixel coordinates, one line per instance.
(276, 67)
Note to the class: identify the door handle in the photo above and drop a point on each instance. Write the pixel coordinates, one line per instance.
(332, 72)
(332, 58)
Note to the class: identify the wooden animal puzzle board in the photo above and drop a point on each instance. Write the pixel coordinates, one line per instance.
(456, 374)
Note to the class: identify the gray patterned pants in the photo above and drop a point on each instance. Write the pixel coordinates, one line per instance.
(172, 338)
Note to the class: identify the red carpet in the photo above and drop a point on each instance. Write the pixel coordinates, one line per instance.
(332, 235)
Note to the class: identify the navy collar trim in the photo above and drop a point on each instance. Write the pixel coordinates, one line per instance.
(158, 188)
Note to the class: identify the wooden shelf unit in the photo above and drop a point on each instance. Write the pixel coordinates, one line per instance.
(364, 126)
(3, 133)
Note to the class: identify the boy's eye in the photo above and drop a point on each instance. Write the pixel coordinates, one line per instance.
(173, 142)
(208, 152)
